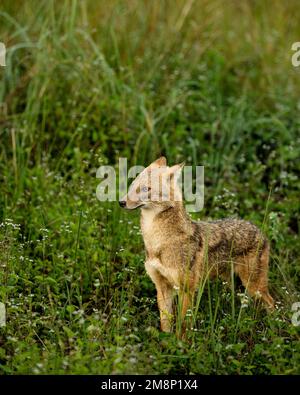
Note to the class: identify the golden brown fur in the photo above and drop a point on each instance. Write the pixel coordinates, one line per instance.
(181, 254)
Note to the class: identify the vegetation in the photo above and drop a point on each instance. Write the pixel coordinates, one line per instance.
(86, 82)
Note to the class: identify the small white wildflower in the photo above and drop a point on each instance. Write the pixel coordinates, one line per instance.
(65, 363)
(132, 360)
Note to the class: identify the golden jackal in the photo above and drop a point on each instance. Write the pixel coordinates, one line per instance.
(181, 253)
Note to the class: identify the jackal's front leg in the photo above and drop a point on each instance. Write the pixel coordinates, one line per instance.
(165, 305)
(185, 301)
(164, 295)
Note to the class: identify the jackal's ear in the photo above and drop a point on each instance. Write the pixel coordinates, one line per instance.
(162, 161)
(176, 170)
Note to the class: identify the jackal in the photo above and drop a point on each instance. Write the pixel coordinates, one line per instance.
(181, 253)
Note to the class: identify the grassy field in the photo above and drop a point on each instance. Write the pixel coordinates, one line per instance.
(86, 82)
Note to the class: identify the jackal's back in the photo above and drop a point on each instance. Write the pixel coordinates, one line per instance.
(230, 238)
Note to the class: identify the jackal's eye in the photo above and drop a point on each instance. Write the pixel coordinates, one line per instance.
(146, 189)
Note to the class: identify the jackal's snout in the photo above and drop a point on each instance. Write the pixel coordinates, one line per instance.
(122, 203)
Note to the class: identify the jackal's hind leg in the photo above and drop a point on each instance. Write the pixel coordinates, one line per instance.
(253, 272)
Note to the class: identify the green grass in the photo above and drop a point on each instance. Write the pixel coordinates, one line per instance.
(208, 82)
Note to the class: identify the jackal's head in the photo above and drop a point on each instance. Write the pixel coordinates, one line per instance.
(157, 186)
